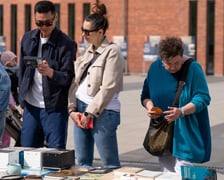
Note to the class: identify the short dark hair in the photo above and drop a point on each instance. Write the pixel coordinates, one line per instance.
(170, 47)
(44, 7)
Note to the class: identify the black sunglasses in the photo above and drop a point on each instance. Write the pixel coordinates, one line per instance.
(46, 23)
(86, 31)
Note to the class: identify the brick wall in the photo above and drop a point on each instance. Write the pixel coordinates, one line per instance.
(219, 38)
(144, 18)
(153, 18)
(201, 34)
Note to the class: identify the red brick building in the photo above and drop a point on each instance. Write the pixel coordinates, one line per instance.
(203, 19)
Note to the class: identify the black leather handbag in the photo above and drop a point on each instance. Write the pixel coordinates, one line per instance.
(158, 137)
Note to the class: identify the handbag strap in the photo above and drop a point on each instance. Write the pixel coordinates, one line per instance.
(96, 55)
(181, 83)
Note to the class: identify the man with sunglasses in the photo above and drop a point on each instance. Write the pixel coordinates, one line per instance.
(44, 85)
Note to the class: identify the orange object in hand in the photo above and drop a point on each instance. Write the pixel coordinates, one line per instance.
(157, 110)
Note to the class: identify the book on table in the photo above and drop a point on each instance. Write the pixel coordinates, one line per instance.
(127, 170)
(64, 174)
(198, 172)
(168, 176)
(148, 175)
(90, 176)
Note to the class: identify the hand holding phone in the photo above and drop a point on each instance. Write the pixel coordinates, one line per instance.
(32, 61)
(90, 121)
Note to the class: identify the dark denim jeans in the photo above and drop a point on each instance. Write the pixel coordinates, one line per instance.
(39, 126)
(103, 134)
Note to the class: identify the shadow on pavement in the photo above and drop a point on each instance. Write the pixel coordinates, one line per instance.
(140, 158)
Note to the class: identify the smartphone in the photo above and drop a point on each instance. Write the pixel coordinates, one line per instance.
(32, 61)
(90, 124)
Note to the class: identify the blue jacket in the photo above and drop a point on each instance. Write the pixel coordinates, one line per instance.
(59, 52)
(5, 85)
(192, 137)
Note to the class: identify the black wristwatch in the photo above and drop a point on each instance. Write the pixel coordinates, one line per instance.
(86, 114)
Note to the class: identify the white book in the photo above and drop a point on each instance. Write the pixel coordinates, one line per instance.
(169, 176)
(148, 175)
(126, 170)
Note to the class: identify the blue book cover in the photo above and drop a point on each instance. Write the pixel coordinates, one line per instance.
(196, 172)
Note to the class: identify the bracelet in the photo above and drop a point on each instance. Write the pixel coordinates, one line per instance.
(182, 112)
(70, 112)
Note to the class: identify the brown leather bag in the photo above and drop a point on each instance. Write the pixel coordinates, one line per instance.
(13, 125)
(159, 137)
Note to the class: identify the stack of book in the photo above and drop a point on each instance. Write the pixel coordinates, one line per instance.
(70, 174)
(126, 170)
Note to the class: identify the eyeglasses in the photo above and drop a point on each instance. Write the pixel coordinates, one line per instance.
(173, 64)
(86, 31)
(46, 23)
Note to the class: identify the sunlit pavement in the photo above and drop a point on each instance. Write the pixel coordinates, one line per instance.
(134, 123)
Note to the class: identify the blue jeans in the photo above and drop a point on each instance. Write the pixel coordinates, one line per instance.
(103, 134)
(41, 127)
(2, 124)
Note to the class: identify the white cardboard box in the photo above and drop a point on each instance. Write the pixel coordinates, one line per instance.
(20, 150)
(8, 156)
(33, 158)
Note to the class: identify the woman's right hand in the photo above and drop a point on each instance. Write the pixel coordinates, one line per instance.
(153, 114)
(75, 116)
(150, 112)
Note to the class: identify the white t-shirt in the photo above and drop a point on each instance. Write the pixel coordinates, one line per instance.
(82, 95)
(35, 95)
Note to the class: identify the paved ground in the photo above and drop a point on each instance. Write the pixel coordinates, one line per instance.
(134, 124)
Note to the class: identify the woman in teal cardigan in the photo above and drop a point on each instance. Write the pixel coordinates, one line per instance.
(192, 137)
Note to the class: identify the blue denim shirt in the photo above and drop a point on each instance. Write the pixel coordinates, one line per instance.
(5, 85)
(59, 52)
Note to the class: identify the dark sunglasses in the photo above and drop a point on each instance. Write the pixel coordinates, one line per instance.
(46, 23)
(86, 31)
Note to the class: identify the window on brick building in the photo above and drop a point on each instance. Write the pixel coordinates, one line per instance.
(71, 20)
(1, 20)
(14, 28)
(193, 18)
(193, 23)
(210, 37)
(57, 7)
(27, 17)
(86, 10)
